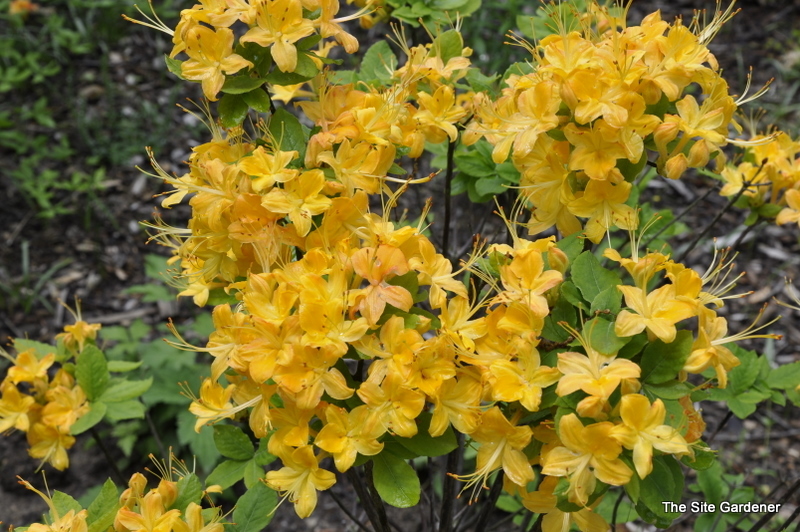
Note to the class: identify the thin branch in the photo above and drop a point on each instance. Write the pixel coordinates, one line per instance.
(616, 508)
(110, 459)
(489, 504)
(376, 499)
(347, 512)
(769, 515)
(681, 215)
(722, 424)
(366, 500)
(448, 199)
(449, 488)
(745, 186)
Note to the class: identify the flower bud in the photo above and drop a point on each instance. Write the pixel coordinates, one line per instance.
(676, 166)
(699, 154)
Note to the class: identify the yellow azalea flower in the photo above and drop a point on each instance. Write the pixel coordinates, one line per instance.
(642, 269)
(300, 478)
(393, 406)
(71, 521)
(457, 325)
(28, 368)
(375, 265)
(14, 407)
(457, 402)
(603, 202)
(50, 444)
(76, 335)
(360, 165)
(435, 270)
(347, 434)
(210, 54)
(438, 112)
(596, 374)
(589, 453)
(709, 350)
(193, 520)
(279, 23)
(213, 404)
(330, 26)
(658, 312)
(309, 374)
(300, 199)
(596, 149)
(501, 444)
(791, 213)
(525, 281)
(522, 380)
(543, 501)
(268, 168)
(643, 429)
(151, 517)
(64, 407)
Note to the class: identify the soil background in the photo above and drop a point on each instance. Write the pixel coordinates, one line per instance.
(107, 256)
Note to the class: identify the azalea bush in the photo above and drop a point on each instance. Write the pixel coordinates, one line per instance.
(557, 368)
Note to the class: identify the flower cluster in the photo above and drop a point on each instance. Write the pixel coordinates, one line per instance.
(344, 331)
(44, 406)
(767, 180)
(580, 123)
(166, 508)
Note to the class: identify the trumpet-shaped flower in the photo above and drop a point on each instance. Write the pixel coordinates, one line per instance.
(643, 429)
(300, 478)
(589, 453)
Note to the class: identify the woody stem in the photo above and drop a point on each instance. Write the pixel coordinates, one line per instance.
(448, 200)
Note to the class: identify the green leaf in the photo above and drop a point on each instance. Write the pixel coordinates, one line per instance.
(571, 294)
(232, 110)
(490, 186)
(92, 372)
(561, 311)
(396, 481)
(704, 457)
(40, 349)
(190, 489)
(711, 483)
(262, 456)
(89, 419)
(175, 66)
(661, 362)
(664, 483)
(668, 390)
(227, 473)
(479, 82)
(123, 366)
(601, 336)
(126, 390)
(634, 345)
(103, 509)
(304, 71)
(742, 377)
(132, 409)
(286, 129)
(609, 301)
(63, 503)
(259, 100)
(260, 56)
(784, 377)
(590, 277)
(232, 442)
(423, 444)
(447, 45)
(200, 443)
(379, 64)
(241, 84)
(253, 473)
(254, 510)
(572, 246)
